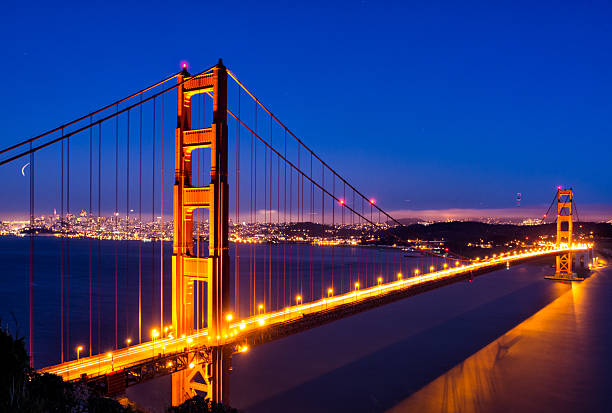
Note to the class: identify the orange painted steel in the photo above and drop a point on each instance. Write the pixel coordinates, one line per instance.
(187, 268)
(565, 200)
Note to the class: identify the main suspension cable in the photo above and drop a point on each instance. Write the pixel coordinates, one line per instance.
(60, 128)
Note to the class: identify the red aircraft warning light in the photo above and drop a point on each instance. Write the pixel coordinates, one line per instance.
(372, 201)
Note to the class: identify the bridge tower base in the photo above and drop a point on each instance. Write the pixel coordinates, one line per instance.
(207, 372)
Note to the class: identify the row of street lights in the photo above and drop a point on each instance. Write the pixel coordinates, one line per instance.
(155, 333)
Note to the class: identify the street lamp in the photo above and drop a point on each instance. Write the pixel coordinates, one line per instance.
(399, 276)
(229, 317)
(128, 342)
(110, 356)
(154, 335)
(431, 268)
(298, 299)
(416, 272)
(329, 293)
(356, 287)
(379, 281)
(259, 308)
(78, 350)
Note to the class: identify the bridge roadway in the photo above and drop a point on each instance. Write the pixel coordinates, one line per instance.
(168, 355)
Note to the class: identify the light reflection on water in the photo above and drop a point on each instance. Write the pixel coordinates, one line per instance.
(510, 341)
(550, 362)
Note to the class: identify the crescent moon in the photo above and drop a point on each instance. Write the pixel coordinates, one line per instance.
(23, 169)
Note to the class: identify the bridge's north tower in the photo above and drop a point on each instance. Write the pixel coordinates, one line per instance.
(187, 268)
(565, 200)
(565, 226)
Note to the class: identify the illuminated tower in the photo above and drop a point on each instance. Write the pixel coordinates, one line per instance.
(187, 269)
(565, 199)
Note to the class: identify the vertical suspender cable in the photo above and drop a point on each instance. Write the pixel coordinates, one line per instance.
(127, 227)
(161, 243)
(201, 214)
(196, 221)
(89, 225)
(344, 248)
(285, 223)
(116, 213)
(200, 182)
(140, 224)
(255, 216)
(270, 206)
(270, 226)
(334, 231)
(237, 224)
(297, 247)
(322, 229)
(62, 256)
(311, 227)
(278, 226)
(153, 217)
(251, 285)
(31, 266)
(270, 217)
(99, 230)
(300, 198)
(68, 248)
(288, 223)
(265, 220)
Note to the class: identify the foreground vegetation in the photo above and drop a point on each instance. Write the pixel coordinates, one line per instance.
(22, 389)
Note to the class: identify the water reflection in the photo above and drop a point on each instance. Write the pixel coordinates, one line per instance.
(549, 362)
(373, 361)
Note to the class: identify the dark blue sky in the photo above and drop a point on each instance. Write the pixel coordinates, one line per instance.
(426, 106)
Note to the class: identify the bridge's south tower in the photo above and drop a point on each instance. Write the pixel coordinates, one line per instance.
(187, 268)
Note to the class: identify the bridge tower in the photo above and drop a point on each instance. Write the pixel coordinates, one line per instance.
(210, 376)
(565, 199)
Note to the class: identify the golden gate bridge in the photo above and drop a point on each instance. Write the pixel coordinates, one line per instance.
(248, 194)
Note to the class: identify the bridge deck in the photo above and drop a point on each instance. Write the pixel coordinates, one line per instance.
(166, 354)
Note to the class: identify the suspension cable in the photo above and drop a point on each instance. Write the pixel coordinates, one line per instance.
(549, 208)
(42, 135)
(101, 120)
(294, 167)
(306, 147)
